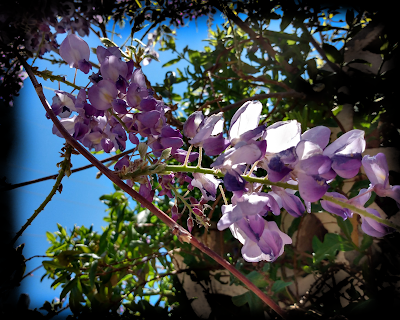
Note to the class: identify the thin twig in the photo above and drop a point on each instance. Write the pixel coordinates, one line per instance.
(64, 166)
(29, 273)
(333, 66)
(288, 94)
(54, 176)
(260, 40)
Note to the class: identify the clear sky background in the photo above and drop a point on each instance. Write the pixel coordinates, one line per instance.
(36, 153)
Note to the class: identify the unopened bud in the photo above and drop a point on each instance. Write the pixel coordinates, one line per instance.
(142, 148)
(190, 224)
(166, 154)
(174, 213)
(198, 212)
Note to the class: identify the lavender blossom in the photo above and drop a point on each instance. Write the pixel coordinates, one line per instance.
(368, 225)
(101, 95)
(377, 171)
(207, 184)
(335, 208)
(261, 240)
(345, 153)
(247, 205)
(76, 53)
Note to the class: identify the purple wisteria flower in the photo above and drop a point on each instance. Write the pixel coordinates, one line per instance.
(287, 200)
(76, 53)
(281, 138)
(345, 153)
(180, 156)
(245, 149)
(192, 124)
(63, 104)
(310, 169)
(207, 184)
(335, 208)
(261, 240)
(377, 171)
(102, 94)
(247, 205)
(368, 225)
(245, 119)
(206, 132)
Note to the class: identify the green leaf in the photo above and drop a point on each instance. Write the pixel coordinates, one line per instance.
(68, 288)
(316, 243)
(255, 303)
(366, 242)
(266, 267)
(279, 285)
(240, 300)
(103, 241)
(171, 62)
(332, 53)
(257, 279)
(308, 269)
(357, 186)
(59, 280)
(194, 56)
(286, 20)
(151, 56)
(92, 273)
(358, 61)
(139, 41)
(50, 237)
(108, 43)
(328, 249)
(246, 68)
(312, 69)
(346, 226)
(166, 29)
(89, 255)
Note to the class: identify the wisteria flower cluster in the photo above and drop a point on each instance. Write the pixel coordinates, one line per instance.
(119, 106)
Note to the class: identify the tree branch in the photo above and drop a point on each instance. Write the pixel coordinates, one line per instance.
(288, 94)
(262, 42)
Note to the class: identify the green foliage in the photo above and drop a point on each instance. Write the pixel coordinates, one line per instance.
(329, 247)
(131, 258)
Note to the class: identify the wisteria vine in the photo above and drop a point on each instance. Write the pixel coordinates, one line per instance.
(119, 105)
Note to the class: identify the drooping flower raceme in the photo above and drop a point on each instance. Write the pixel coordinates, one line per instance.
(120, 105)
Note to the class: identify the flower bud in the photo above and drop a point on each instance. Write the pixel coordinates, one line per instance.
(190, 224)
(165, 154)
(142, 148)
(192, 124)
